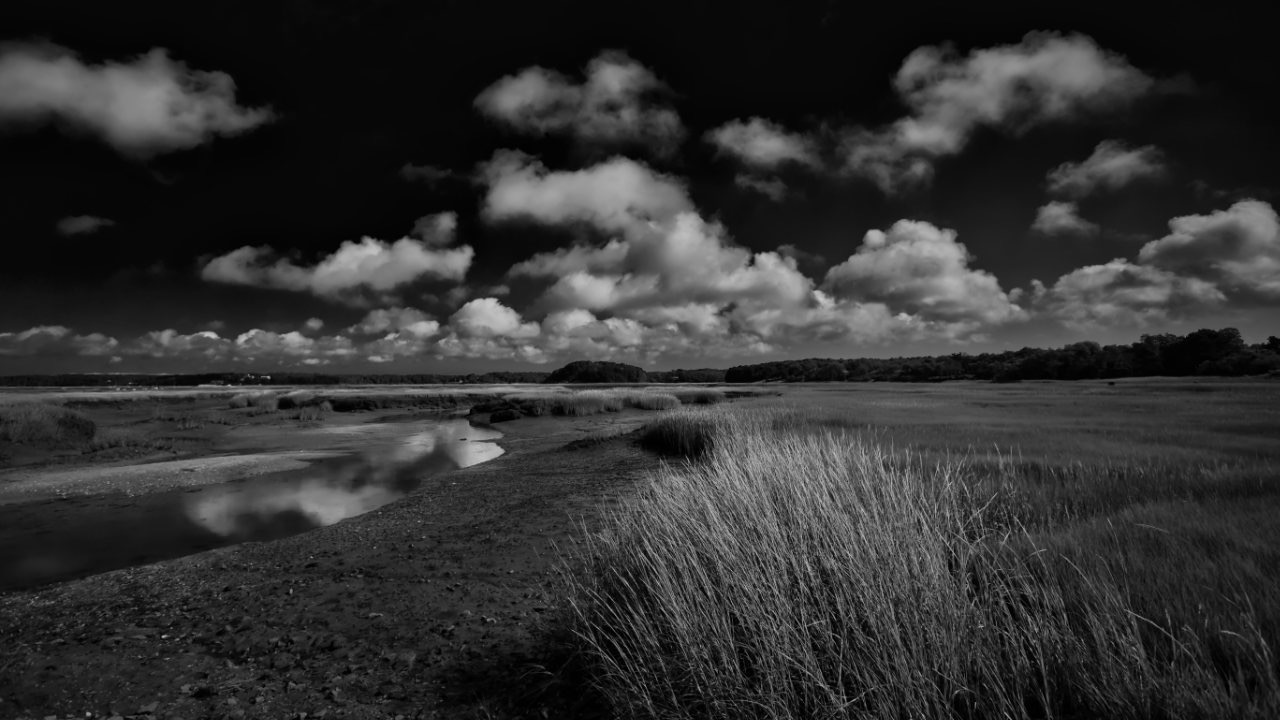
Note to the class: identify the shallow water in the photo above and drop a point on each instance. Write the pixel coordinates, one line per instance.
(54, 540)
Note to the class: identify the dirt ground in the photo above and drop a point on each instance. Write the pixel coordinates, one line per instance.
(432, 606)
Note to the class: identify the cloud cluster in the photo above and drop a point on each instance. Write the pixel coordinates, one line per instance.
(151, 105)
(1044, 78)
(669, 279)
(55, 340)
(1237, 250)
(1110, 166)
(355, 268)
(676, 285)
(617, 102)
(1206, 262)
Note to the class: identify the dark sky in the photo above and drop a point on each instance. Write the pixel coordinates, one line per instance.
(129, 179)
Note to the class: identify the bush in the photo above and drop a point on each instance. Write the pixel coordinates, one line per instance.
(44, 425)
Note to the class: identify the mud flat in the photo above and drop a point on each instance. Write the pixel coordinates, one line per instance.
(429, 606)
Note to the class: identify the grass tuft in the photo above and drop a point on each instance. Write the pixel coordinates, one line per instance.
(687, 434)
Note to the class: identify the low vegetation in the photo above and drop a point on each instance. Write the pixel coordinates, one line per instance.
(801, 569)
(397, 401)
(645, 400)
(41, 424)
(314, 413)
(580, 403)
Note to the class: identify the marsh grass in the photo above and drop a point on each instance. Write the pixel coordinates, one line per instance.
(119, 439)
(42, 424)
(589, 402)
(685, 434)
(800, 571)
(314, 413)
(393, 401)
(649, 400)
(182, 420)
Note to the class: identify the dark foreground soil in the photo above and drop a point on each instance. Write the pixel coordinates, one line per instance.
(437, 605)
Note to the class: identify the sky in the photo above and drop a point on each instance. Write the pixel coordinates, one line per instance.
(451, 187)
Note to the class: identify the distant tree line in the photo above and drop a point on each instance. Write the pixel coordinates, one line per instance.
(1203, 352)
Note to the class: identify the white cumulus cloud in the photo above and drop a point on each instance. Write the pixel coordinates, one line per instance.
(1058, 217)
(1237, 249)
(616, 195)
(918, 268)
(1122, 293)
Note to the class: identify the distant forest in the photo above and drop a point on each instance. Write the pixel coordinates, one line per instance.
(1203, 352)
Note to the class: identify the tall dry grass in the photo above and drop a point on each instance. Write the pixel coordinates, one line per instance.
(810, 573)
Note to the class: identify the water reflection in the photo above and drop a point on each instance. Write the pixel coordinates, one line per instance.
(266, 510)
(53, 540)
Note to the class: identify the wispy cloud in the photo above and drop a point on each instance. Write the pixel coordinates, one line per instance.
(763, 144)
(618, 101)
(82, 225)
(1044, 78)
(149, 105)
(368, 266)
(1112, 165)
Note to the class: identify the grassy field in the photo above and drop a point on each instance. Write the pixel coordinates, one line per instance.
(862, 550)
(947, 551)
